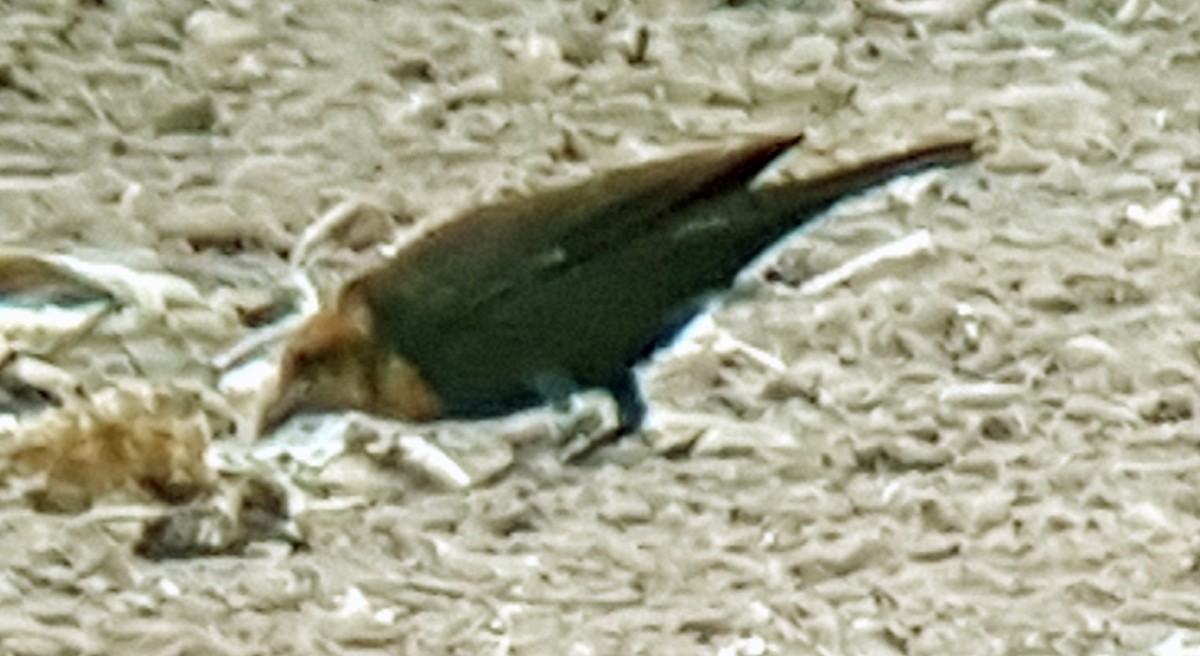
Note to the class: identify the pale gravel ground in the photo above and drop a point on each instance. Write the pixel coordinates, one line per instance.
(873, 495)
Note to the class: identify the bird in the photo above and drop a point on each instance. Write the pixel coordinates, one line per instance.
(529, 301)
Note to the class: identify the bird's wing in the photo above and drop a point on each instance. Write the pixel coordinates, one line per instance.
(476, 258)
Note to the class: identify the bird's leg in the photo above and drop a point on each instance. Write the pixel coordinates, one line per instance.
(631, 412)
(631, 406)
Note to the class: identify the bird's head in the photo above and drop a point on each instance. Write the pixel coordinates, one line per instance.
(334, 362)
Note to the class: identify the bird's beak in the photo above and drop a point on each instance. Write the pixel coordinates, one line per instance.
(286, 401)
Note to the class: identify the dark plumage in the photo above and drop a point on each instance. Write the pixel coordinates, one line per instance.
(509, 306)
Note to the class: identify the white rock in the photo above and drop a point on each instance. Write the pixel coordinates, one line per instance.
(219, 33)
(982, 395)
(1169, 212)
(434, 462)
(1084, 351)
(914, 245)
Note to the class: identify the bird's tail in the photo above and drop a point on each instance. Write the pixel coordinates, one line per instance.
(812, 179)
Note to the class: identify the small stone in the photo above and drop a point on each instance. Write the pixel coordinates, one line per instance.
(1086, 350)
(982, 395)
(1169, 212)
(218, 32)
(188, 533)
(626, 509)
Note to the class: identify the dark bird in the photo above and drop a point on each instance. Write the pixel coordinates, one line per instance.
(513, 305)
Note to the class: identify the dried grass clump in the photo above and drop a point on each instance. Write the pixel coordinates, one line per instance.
(138, 441)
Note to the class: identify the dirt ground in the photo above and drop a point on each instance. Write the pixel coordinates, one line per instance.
(986, 445)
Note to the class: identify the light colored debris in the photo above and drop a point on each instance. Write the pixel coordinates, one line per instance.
(274, 334)
(1167, 212)
(592, 422)
(311, 440)
(28, 183)
(354, 475)
(724, 437)
(316, 441)
(1181, 642)
(434, 462)
(43, 328)
(982, 395)
(703, 433)
(237, 356)
(917, 244)
(1130, 11)
(727, 344)
(751, 646)
(41, 375)
(246, 389)
(150, 291)
(248, 379)
(669, 431)
(43, 304)
(31, 277)
(218, 34)
(359, 222)
(1086, 350)
(1109, 411)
